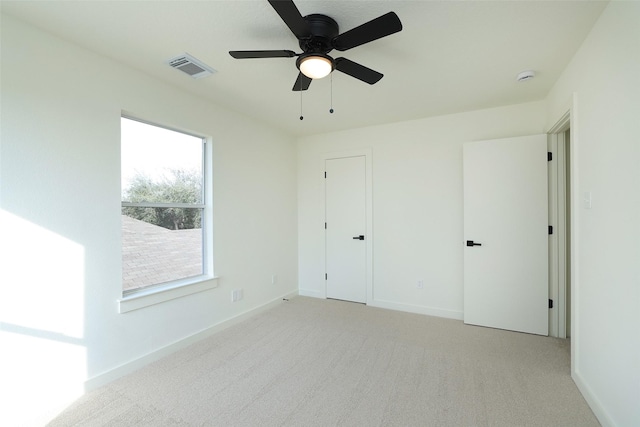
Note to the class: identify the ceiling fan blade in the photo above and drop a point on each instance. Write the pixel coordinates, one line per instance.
(358, 71)
(244, 54)
(291, 16)
(302, 83)
(375, 29)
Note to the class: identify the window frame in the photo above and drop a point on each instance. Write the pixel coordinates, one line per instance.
(134, 299)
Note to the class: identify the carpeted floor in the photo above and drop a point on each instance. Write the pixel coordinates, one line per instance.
(313, 362)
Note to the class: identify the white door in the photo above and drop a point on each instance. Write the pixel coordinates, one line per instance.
(506, 234)
(345, 186)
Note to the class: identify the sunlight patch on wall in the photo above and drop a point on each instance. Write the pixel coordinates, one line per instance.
(43, 359)
(40, 377)
(42, 278)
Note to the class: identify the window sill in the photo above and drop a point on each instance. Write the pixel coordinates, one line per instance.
(159, 295)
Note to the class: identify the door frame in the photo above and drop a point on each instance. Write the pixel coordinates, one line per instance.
(558, 243)
(368, 155)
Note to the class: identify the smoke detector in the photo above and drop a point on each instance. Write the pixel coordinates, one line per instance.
(191, 66)
(525, 75)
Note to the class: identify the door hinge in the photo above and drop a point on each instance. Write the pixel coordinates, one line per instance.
(325, 225)
(549, 156)
(325, 174)
(325, 278)
(550, 303)
(551, 229)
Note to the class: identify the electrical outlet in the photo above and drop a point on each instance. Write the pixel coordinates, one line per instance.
(420, 284)
(236, 295)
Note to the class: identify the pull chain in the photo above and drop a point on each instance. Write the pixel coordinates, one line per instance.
(301, 116)
(331, 84)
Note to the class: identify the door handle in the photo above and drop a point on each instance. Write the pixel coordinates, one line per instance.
(472, 243)
(360, 237)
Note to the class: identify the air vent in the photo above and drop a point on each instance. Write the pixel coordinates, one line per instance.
(191, 66)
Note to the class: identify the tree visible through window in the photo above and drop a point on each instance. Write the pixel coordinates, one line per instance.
(162, 205)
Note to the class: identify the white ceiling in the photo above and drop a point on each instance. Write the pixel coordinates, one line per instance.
(451, 56)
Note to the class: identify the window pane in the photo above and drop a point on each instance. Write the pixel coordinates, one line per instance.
(159, 168)
(154, 254)
(160, 165)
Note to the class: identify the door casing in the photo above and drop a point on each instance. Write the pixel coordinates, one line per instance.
(560, 213)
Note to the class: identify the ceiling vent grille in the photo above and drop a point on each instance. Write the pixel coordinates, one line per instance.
(191, 66)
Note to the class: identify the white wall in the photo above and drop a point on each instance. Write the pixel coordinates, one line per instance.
(60, 260)
(605, 130)
(59, 201)
(417, 203)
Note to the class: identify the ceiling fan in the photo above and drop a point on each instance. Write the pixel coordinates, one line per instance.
(317, 36)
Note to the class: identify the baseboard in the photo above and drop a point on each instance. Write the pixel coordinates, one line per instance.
(419, 309)
(594, 403)
(134, 365)
(311, 293)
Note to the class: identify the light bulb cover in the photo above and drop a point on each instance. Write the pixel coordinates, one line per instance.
(315, 65)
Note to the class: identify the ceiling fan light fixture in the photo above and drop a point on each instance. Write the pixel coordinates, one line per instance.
(315, 66)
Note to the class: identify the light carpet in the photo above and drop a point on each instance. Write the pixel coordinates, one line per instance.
(314, 362)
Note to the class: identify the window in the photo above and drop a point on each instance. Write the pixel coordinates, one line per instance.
(163, 207)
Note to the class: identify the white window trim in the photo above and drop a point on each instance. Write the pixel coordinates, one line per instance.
(160, 294)
(156, 294)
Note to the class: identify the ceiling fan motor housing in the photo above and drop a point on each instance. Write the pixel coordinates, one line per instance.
(322, 31)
